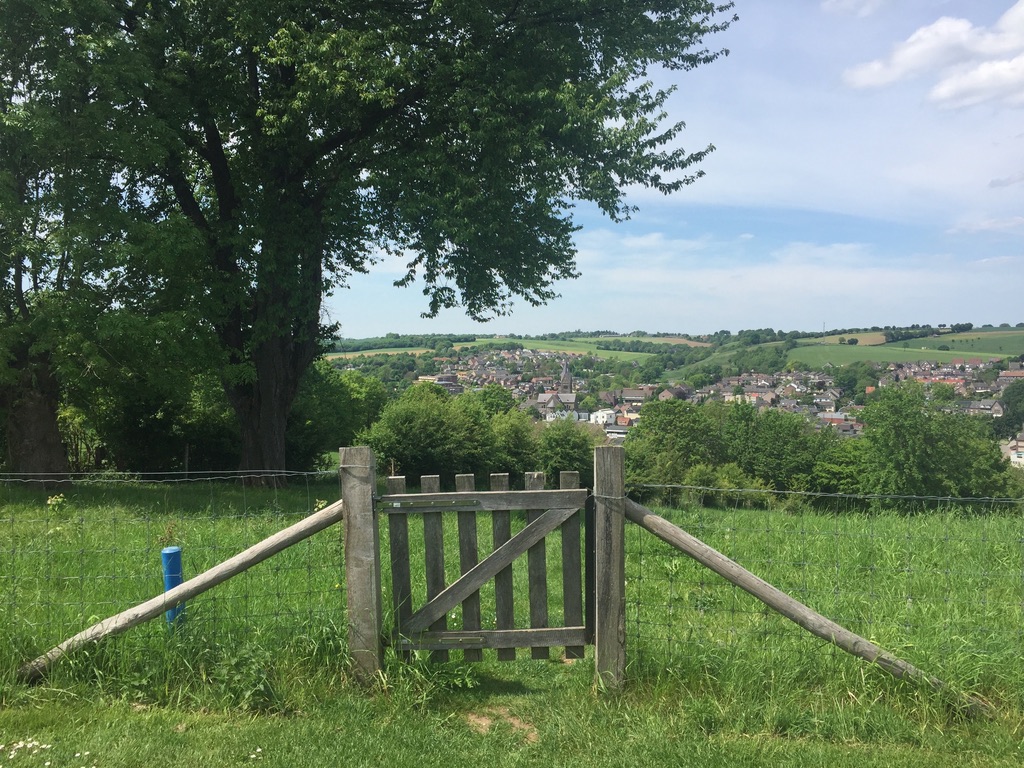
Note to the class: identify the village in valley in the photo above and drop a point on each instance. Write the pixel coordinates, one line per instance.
(559, 384)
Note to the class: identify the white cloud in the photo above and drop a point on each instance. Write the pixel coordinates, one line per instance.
(1007, 181)
(972, 64)
(999, 81)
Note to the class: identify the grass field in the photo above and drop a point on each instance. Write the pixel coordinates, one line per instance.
(1000, 343)
(870, 338)
(260, 673)
(368, 352)
(582, 347)
(672, 340)
(819, 355)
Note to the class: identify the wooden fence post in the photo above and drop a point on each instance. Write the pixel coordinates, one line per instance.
(610, 567)
(362, 561)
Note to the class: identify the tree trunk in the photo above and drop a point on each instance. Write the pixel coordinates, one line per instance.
(262, 407)
(273, 332)
(264, 403)
(34, 444)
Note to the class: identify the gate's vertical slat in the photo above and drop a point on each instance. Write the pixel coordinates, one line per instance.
(401, 577)
(537, 570)
(572, 588)
(433, 542)
(504, 607)
(468, 557)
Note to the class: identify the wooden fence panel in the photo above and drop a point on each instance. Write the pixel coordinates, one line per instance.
(428, 626)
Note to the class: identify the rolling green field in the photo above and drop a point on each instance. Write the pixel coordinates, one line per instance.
(585, 346)
(581, 347)
(260, 672)
(819, 355)
(368, 352)
(1000, 343)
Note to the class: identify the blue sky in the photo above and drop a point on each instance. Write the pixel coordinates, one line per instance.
(869, 170)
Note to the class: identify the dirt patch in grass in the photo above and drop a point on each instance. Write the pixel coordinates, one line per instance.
(483, 722)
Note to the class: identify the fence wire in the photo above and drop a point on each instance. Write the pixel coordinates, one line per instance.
(75, 553)
(939, 583)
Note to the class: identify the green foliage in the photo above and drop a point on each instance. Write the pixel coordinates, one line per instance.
(496, 399)
(917, 449)
(940, 392)
(515, 444)
(330, 409)
(428, 432)
(1012, 420)
(566, 446)
(911, 448)
(672, 437)
(255, 156)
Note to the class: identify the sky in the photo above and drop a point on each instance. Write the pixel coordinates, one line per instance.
(868, 170)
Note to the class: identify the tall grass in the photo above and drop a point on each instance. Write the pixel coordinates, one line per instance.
(70, 559)
(943, 590)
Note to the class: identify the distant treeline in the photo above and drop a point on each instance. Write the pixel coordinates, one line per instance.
(398, 341)
(634, 341)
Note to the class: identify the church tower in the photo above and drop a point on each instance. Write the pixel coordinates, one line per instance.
(565, 383)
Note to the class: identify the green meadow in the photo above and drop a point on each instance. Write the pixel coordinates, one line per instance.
(584, 346)
(999, 343)
(260, 673)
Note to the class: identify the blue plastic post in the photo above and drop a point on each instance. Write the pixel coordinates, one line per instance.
(171, 557)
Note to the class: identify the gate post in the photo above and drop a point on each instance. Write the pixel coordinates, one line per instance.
(610, 566)
(362, 561)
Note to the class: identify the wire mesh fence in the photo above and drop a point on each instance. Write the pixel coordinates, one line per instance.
(73, 554)
(940, 584)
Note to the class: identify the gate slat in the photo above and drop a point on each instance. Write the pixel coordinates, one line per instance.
(572, 567)
(538, 572)
(468, 558)
(502, 639)
(433, 542)
(504, 607)
(401, 577)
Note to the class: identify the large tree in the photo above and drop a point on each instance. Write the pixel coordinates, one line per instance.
(299, 141)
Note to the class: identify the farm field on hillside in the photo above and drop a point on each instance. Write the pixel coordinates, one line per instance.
(818, 355)
(974, 343)
(586, 346)
(869, 338)
(669, 340)
(369, 352)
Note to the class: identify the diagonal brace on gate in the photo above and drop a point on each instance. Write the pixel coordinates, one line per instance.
(486, 569)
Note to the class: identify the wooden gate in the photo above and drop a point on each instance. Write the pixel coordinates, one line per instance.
(545, 511)
(593, 586)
